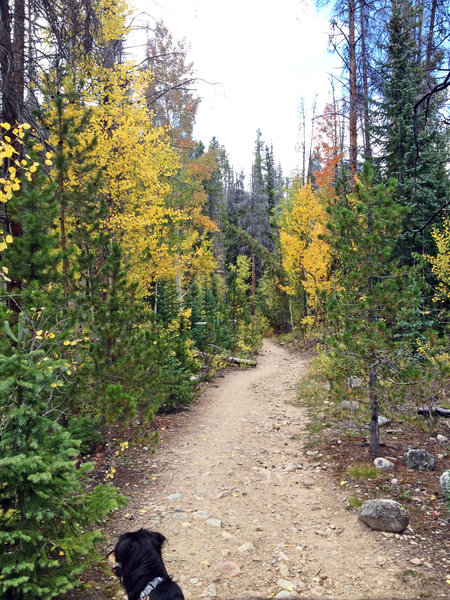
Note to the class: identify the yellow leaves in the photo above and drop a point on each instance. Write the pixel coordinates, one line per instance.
(306, 256)
(5, 241)
(113, 15)
(440, 264)
(4, 273)
(9, 153)
(287, 289)
(159, 228)
(110, 473)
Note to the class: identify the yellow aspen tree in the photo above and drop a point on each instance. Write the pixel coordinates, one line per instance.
(440, 263)
(16, 166)
(138, 163)
(305, 255)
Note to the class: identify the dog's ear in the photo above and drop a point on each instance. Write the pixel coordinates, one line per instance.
(158, 538)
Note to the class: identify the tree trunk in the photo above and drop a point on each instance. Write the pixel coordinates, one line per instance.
(19, 50)
(302, 114)
(417, 31)
(362, 17)
(253, 310)
(310, 157)
(12, 56)
(353, 96)
(430, 40)
(373, 401)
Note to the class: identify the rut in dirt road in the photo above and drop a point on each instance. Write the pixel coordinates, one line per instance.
(247, 512)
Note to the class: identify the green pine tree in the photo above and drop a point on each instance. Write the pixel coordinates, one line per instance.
(373, 313)
(46, 516)
(414, 153)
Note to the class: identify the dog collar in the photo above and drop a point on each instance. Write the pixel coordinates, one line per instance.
(145, 594)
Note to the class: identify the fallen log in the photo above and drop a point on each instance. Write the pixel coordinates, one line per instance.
(241, 361)
(435, 411)
(233, 359)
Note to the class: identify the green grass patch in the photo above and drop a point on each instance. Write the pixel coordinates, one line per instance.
(408, 574)
(354, 502)
(363, 471)
(403, 493)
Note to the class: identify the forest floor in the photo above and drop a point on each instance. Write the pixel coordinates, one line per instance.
(249, 510)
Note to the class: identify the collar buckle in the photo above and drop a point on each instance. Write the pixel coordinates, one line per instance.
(145, 594)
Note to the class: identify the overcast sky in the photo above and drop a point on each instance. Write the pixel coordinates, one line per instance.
(262, 56)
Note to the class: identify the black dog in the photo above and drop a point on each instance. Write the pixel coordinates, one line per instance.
(137, 561)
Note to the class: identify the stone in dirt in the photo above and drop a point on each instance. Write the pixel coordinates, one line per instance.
(214, 522)
(229, 568)
(209, 592)
(223, 494)
(416, 562)
(383, 464)
(200, 514)
(351, 404)
(246, 548)
(441, 438)
(384, 515)
(320, 532)
(175, 496)
(419, 459)
(444, 480)
(287, 585)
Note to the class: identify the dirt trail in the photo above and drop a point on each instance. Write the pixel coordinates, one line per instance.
(245, 511)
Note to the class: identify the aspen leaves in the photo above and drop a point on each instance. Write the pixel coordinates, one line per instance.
(305, 255)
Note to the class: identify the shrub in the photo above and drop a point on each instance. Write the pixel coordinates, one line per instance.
(46, 516)
(85, 430)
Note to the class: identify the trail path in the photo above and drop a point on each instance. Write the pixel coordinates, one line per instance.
(245, 511)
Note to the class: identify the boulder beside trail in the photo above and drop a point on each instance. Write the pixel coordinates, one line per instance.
(384, 515)
(444, 480)
(419, 459)
(383, 464)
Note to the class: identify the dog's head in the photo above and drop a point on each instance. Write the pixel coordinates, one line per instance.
(138, 555)
(137, 560)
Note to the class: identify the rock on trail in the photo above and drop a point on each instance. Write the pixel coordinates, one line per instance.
(247, 513)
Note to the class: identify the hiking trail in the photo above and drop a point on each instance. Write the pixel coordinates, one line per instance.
(246, 511)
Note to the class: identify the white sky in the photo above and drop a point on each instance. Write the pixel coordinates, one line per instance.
(264, 55)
